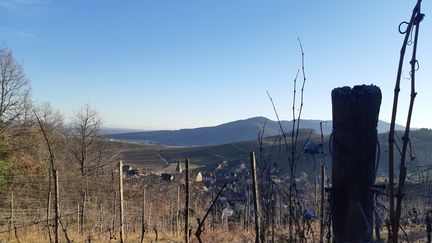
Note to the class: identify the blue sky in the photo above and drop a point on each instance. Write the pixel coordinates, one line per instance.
(176, 64)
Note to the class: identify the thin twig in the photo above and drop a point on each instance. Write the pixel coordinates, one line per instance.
(301, 95)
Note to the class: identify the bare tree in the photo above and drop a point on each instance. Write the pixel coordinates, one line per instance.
(14, 88)
(83, 147)
(15, 111)
(84, 133)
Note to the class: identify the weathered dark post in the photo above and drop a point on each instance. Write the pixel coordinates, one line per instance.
(355, 118)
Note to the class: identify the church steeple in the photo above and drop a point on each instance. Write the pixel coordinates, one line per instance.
(178, 168)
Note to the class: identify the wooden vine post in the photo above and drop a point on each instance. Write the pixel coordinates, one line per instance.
(56, 207)
(355, 118)
(11, 221)
(322, 176)
(120, 165)
(256, 198)
(178, 209)
(428, 227)
(187, 236)
(143, 225)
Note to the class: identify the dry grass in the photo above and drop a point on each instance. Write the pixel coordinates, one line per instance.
(37, 235)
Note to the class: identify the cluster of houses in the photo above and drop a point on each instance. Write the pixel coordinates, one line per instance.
(236, 174)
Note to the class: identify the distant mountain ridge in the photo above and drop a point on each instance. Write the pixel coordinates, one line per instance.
(114, 130)
(231, 132)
